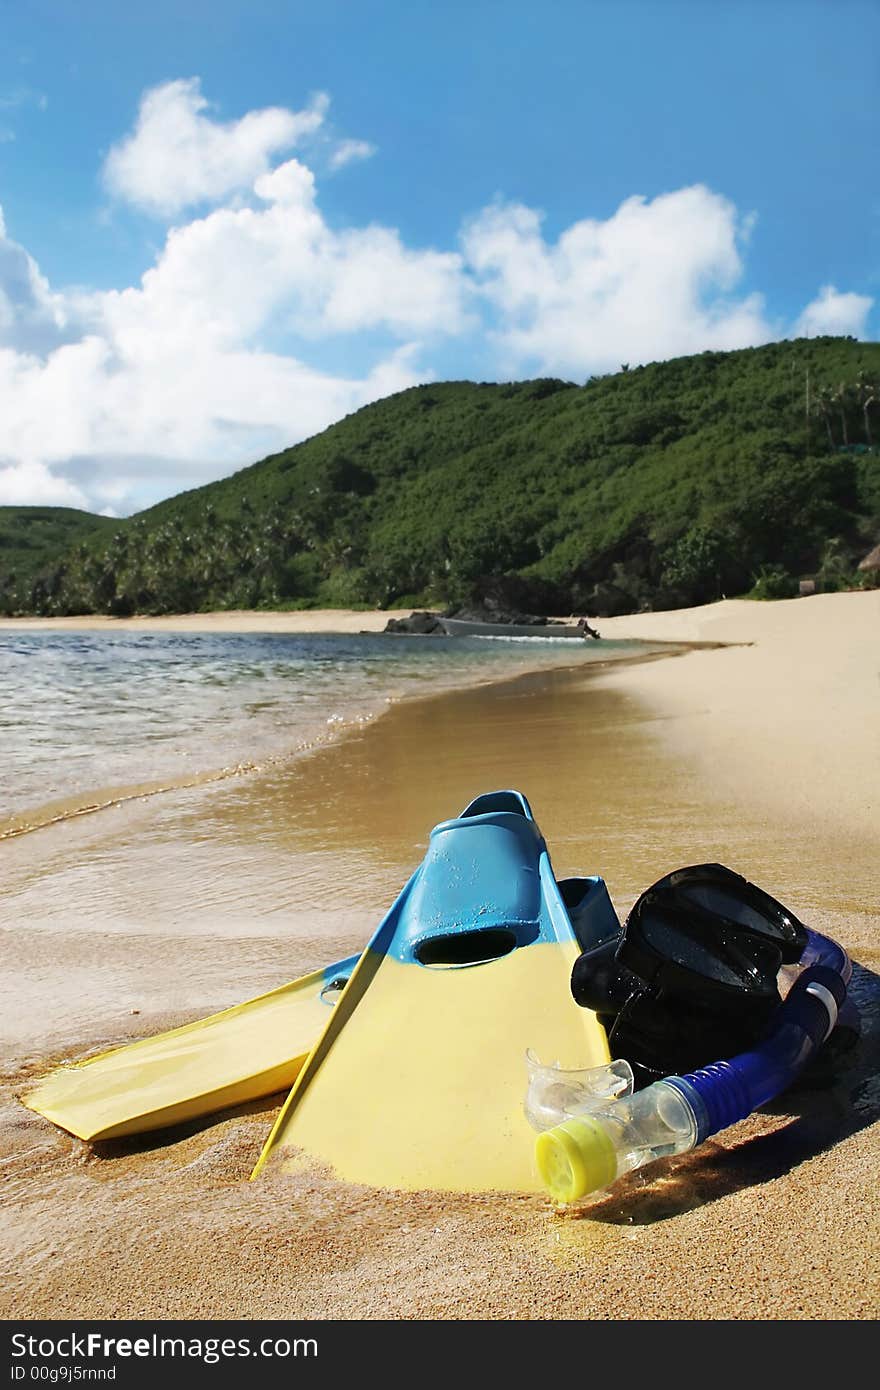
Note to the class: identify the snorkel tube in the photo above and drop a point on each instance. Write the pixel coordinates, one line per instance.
(696, 928)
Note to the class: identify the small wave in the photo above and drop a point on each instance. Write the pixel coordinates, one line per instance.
(92, 719)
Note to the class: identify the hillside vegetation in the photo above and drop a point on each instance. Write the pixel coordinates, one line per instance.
(33, 538)
(664, 485)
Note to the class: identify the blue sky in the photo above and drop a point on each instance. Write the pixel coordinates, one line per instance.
(227, 224)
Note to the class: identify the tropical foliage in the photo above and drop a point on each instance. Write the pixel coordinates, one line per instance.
(32, 538)
(662, 485)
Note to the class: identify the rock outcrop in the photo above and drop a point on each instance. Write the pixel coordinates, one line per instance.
(421, 623)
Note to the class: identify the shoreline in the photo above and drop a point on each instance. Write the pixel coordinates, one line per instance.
(632, 770)
(58, 810)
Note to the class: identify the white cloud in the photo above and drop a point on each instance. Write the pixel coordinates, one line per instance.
(239, 274)
(32, 318)
(348, 150)
(178, 157)
(835, 314)
(139, 413)
(370, 277)
(33, 484)
(200, 368)
(655, 280)
(114, 399)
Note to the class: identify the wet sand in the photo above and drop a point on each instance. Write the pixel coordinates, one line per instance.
(763, 757)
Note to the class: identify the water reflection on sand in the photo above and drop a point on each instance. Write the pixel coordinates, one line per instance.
(194, 900)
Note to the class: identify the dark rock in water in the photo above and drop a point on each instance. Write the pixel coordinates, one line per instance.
(420, 623)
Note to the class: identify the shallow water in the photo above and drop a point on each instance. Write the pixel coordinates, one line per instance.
(166, 907)
(203, 896)
(214, 889)
(84, 713)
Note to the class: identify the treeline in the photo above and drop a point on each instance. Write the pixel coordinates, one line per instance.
(180, 565)
(664, 485)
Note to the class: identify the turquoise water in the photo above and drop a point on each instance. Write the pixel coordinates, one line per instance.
(81, 713)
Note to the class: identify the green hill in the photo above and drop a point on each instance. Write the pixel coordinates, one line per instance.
(663, 485)
(33, 538)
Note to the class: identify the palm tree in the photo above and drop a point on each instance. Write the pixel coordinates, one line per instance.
(863, 392)
(869, 399)
(841, 399)
(822, 402)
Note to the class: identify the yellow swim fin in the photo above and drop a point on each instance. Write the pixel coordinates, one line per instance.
(248, 1051)
(419, 1077)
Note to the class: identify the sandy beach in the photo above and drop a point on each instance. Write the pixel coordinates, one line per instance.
(313, 620)
(763, 754)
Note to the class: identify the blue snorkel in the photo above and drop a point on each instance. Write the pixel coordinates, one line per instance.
(694, 944)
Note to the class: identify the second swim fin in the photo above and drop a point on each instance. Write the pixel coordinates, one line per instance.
(251, 1050)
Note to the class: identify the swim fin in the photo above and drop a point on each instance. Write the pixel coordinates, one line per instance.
(253, 1049)
(417, 1080)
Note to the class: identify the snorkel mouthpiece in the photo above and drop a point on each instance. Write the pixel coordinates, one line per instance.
(575, 1158)
(589, 1152)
